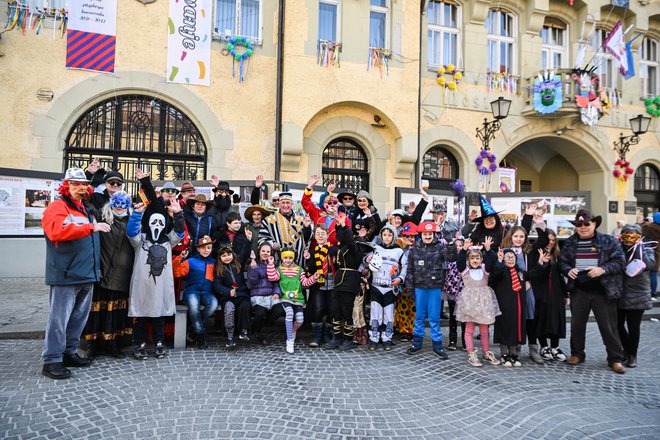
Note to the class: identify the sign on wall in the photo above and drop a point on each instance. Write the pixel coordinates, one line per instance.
(91, 35)
(507, 179)
(189, 42)
(22, 204)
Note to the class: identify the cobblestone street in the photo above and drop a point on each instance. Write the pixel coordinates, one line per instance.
(258, 392)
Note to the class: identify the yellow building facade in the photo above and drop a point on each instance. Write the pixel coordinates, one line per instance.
(373, 114)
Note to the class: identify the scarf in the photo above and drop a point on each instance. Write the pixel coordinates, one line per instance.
(321, 261)
(515, 282)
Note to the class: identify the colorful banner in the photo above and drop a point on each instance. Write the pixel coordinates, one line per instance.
(91, 35)
(507, 179)
(189, 42)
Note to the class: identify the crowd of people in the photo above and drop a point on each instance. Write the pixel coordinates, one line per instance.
(118, 265)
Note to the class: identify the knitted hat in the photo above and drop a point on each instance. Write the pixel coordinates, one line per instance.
(362, 194)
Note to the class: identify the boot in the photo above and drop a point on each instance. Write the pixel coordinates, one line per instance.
(317, 329)
(534, 354)
(632, 361)
(334, 343)
(201, 341)
(328, 333)
(417, 342)
(363, 336)
(437, 349)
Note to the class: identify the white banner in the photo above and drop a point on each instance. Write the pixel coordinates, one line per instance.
(189, 42)
(96, 16)
(507, 179)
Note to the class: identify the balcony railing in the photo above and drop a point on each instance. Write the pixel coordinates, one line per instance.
(568, 108)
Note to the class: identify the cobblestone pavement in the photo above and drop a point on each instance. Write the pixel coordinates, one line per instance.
(261, 392)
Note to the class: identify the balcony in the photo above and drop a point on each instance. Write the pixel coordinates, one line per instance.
(568, 108)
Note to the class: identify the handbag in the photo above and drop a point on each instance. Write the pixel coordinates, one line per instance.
(635, 266)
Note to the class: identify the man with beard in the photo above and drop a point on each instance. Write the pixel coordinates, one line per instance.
(73, 265)
(222, 200)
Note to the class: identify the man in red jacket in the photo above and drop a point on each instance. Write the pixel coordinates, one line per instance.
(328, 215)
(73, 265)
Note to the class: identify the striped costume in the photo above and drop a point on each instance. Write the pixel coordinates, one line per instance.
(287, 232)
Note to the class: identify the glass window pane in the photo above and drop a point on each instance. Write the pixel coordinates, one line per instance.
(250, 18)
(449, 48)
(544, 35)
(377, 29)
(226, 16)
(327, 22)
(491, 54)
(381, 3)
(505, 57)
(652, 80)
(490, 22)
(433, 12)
(556, 62)
(544, 59)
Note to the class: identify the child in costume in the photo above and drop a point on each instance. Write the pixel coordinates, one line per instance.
(234, 296)
(477, 303)
(291, 280)
(404, 312)
(262, 292)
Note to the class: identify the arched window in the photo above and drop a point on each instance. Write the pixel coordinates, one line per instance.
(344, 161)
(554, 51)
(646, 178)
(438, 163)
(136, 131)
(444, 33)
(501, 42)
(649, 66)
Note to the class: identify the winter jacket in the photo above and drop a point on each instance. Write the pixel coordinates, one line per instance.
(427, 263)
(610, 258)
(651, 232)
(198, 272)
(637, 289)
(73, 250)
(257, 281)
(239, 244)
(319, 216)
(231, 278)
(349, 258)
(199, 226)
(117, 257)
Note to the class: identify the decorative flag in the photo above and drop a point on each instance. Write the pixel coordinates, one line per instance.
(91, 35)
(615, 45)
(189, 42)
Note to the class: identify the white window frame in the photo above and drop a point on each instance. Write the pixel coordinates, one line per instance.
(441, 29)
(338, 24)
(550, 50)
(219, 34)
(606, 65)
(498, 38)
(383, 10)
(644, 63)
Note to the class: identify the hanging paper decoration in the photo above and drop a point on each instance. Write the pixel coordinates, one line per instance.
(548, 94)
(615, 44)
(459, 191)
(242, 58)
(653, 106)
(379, 59)
(502, 82)
(454, 74)
(327, 53)
(586, 99)
(622, 170)
(22, 16)
(484, 170)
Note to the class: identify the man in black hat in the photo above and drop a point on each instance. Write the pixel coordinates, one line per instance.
(593, 263)
(221, 201)
(114, 182)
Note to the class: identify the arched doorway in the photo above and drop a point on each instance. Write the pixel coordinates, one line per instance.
(345, 162)
(439, 167)
(647, 189)
(138, 131)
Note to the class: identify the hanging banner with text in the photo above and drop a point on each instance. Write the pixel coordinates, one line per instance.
(507, 179)
(189, 42)
(91, 35)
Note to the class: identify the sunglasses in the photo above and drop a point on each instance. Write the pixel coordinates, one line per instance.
(348, 199)
(333, 203)
(169, 191)
(276, 200)
(581, 224)
(115, 183)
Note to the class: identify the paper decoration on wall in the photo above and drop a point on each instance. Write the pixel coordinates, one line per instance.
(91, 37)
(586, 99)
(548, 94)
(243, 58)
(449, 76)
(21, 16)
(327, 53)
(189, 42)
(652, 104)
(507, 178)
(502, 82)
(622, 170)
(379, 59)
(485, 170)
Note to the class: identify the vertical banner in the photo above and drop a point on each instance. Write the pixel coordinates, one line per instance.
(189, 42)
(91, 35)
(507, 180)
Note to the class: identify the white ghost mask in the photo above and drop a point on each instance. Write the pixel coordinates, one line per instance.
(157, 225)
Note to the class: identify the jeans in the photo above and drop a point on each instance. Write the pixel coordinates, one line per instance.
(427, 304)
(69, 310)
(654, 282)
(197, 315)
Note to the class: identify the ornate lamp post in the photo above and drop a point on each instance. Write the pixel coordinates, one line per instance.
(639, 125)
(500, 108)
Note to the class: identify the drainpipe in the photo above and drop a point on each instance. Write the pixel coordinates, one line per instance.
(279, 87)
(419, 95)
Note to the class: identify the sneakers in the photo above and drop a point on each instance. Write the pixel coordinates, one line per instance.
(473, 359)
(514, 361)
(413, 349)
(244, 336)
(231, 344)
(507, 361)
(56, 371)
(289, 347)
(558, 355)
(331, 344)
(451, 346)
(546, 354)
(373, 346)
(388, 345)
(441, 354)
(347, 345)
(160, 351)
(74, 360)
(489, 357)
(140, 352)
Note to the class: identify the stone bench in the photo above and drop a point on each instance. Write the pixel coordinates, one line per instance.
(181, 325)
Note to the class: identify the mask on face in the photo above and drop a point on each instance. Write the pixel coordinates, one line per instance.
(120, 215)
(157, 225)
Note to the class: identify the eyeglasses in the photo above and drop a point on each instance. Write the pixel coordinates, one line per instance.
(276, 200)
(222, 192)
(333, 203)
(581, 224)
(115, 183)
(348, 199)
(509, 257)
(168, 191)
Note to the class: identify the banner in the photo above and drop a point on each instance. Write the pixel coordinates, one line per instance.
(189, 42)
(507, 180)
(91, 35)
(617, 47)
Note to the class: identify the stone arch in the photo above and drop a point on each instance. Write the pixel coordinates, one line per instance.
(53, 127)
(457, 142)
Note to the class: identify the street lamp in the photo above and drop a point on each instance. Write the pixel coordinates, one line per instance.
(638, 125)
(500, 108)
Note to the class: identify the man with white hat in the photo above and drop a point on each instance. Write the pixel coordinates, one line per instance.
(73, 265)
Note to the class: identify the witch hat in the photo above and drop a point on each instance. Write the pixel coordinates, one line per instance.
(486, 209)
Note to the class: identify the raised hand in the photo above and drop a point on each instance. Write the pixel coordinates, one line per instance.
(341, 219)
(530, 209)
(367, 212)
(139, 174)
(139, 207)
(313, 180)
(259, 181)
(184, 253)
(544, 257)
(424, 194)
(500, 255)
(271, 260)
(94, 166)
(488, 242)
(331, 186)
(173, 208)
(214, 180)
(248, 234)
(467, 244)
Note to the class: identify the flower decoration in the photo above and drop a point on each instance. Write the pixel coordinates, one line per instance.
(653, 106)
(448, 76)
(622, 170)
(241, 58)
(548, 93)
(482, 167)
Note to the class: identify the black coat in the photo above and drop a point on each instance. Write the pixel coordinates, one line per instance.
(427, 263)
(117, 257)
(240, 245)
(349, 257)
(510, 325)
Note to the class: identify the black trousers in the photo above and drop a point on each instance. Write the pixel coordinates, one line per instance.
(630, 335)
(140, 329)
(605, 312)
(317, 304)
(453, 323)
(265, 316)
(341, 304)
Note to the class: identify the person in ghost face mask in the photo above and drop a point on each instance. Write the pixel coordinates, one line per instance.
(152, 284)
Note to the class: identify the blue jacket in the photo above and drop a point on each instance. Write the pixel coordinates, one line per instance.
(198, 272)
(73, 249)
